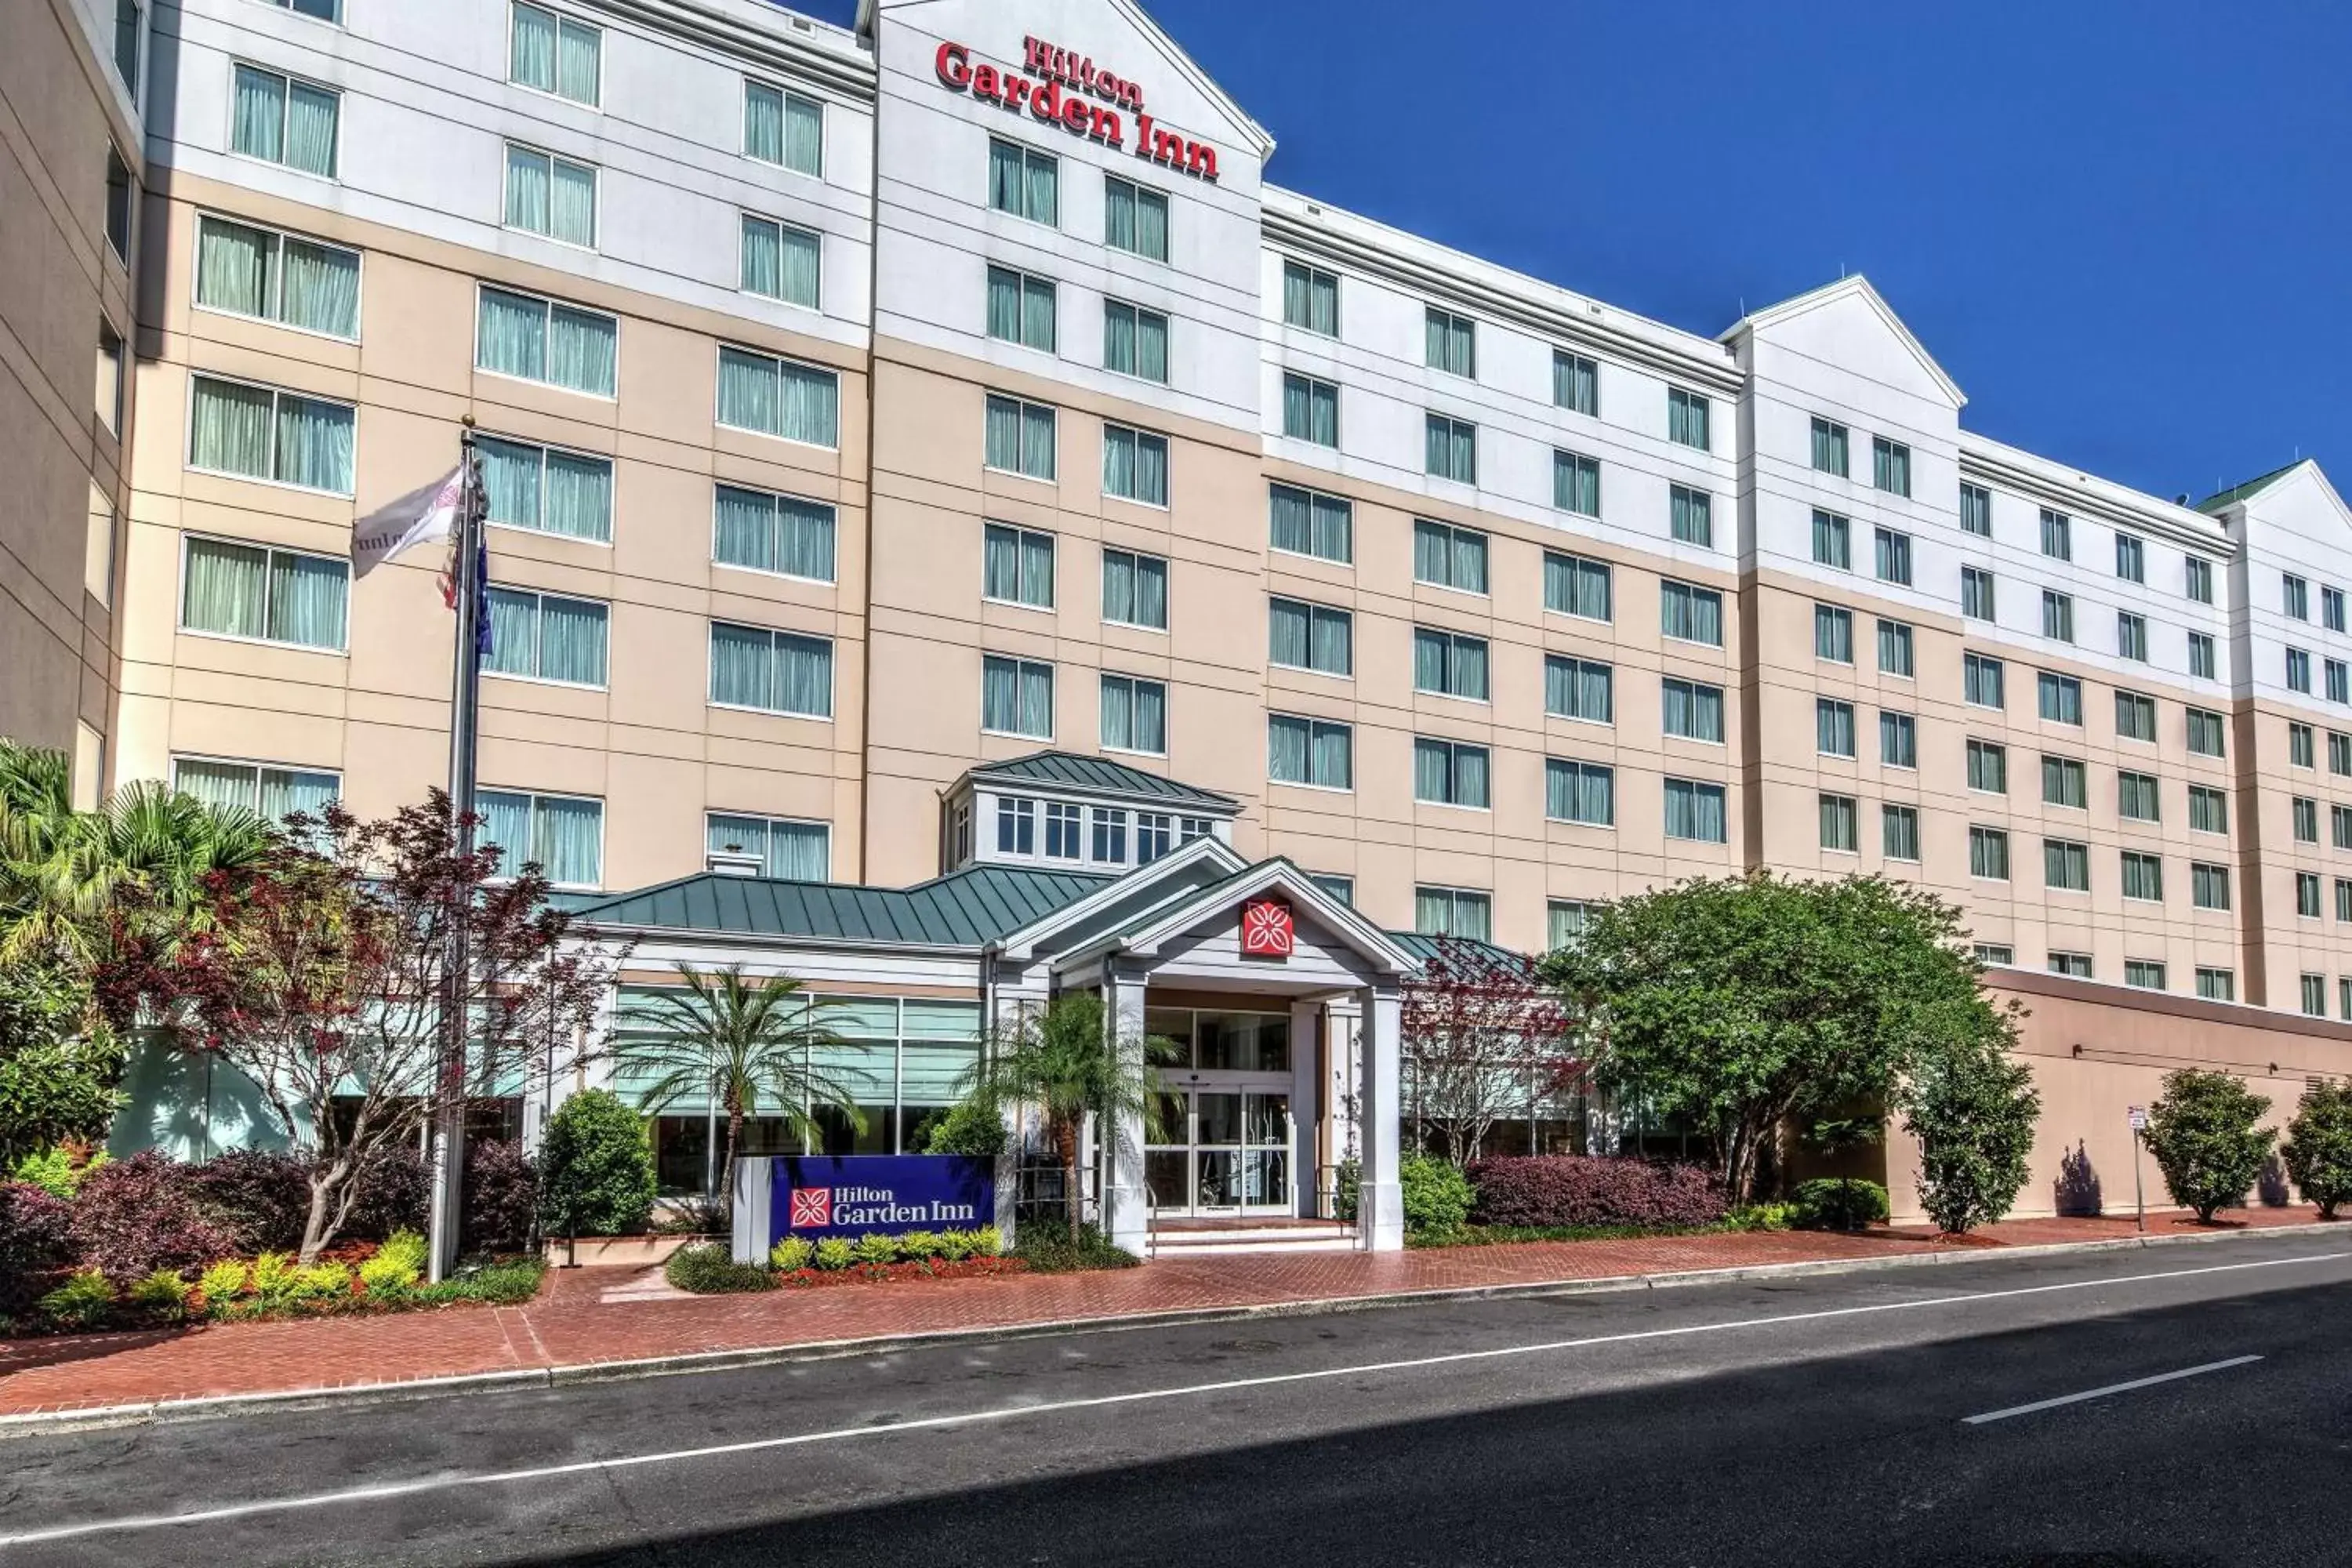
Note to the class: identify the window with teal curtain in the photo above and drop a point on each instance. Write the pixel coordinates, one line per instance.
(319, 287)
(1017, 697)
(1017, 565)
(1453, 912)
(1134, 589)
(1576, 483)
(314, 444)
(313, 128)
(1691, 710)
(1692, 613)
(550, 195)
(582, 347)
(234, 266)
(1687, 418)
(1135, 219)
(1135, 465)
(257, 432)
(546, 637)
(1453, 449)
(129, 36)
(556, 54)
(776, 673)
(257, 115)
(1579, 791)
(1695, 811)
(1024, 182)
(284, 792)
(547, 491)
(512, 337)
(1135, 341)
(1310, 299)
(1310, 410)
(567, 839)
(1021, 309)
(275, 793)
(1019, 436)
(1575, 382)
(763, 123)
(791, 851)
(781, 262)
(779, 397)
(773, 534)
(1134, 714)
(803, 135)
(1691, 516)
(275, 596)
(309, 596)
(1579, 688)
(1574, 585)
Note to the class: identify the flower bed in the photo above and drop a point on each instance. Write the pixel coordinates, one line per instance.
(798, 1264)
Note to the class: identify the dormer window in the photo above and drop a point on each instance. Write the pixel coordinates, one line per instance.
(1111, 835)
(1153, 836)
(1062, 841)
(1016, 826)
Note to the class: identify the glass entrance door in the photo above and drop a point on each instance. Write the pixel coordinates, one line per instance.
(1226, 1150)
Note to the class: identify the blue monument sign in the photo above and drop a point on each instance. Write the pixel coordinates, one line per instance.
(817, 1195)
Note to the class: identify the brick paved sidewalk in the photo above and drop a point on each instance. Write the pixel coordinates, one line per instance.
(602, 1315)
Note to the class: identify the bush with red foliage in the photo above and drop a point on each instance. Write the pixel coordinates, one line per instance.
(256, 1199)
(500, 1197)
(36, 1242)
(1555, 1190)
(134, 1217)
(395, 1188)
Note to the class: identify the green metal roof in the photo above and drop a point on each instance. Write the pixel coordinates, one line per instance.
(1096, 773)
(2237, 493)
(1425, 948)
(965, 908)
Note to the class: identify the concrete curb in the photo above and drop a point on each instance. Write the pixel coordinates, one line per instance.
(209, 1407)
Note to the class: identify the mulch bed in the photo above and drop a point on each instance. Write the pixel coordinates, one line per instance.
(891, 1273)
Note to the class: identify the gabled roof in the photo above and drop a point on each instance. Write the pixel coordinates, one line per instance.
(967, 908)
(1852, 287)
(1101, 776)
(2224, 499)
(1151, 928)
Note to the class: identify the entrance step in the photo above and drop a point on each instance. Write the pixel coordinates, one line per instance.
(1194, 1238)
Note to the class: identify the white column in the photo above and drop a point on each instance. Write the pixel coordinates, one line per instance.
(1381, 1207)
(1306, 1100)
(1343, 1018)
(1125, 1220)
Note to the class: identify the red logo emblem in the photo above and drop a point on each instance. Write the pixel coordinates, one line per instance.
(1268, 930)
(812, 1208)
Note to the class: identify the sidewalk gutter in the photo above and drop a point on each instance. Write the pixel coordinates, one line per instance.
(207, 1407)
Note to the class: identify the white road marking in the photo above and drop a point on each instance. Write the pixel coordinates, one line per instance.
(2111, 1388)
(452, 1482)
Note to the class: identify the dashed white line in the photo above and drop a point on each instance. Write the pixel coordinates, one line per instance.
(2111, 1388)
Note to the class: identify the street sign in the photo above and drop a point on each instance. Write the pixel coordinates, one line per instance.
(2139, 1118)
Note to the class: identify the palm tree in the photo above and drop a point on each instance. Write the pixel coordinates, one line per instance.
(1068, 1061)
(746, 1042)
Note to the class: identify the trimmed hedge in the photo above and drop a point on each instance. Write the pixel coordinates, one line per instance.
(1561, 1191)
(1832, 1202)
(134, 1217)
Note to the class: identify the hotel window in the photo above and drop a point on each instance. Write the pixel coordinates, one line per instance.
(1025, 182)
(2339, 681)
(2343, 899)
(1833, 537)
(1695, 811)
(1691, 710)
(2060, 698)
(1579, 688)
(1017, 566)
(1890, 465)
(1833, 727)
(1975, 511)
(2217, 984)
(1991, 952)
(2299, 752)
(267, 595)
(1988, 853)
(1342, 889)
(1452, 450)
(1020, 437)
(779, 397)
(1690, 613)
(544, 637)
(1134, 715)
(1576, 483)
(2197, 581)
(1135, 465)
(1021, 309)
(532, 339)
(2137, 799)
(2306, 895)
(2298, 670)
(555, 54)
(2066, 864)
(1574, 585)
(1305, 522)
(764, 533)
(1134, 589)
(1444, 556)
(106, 388)
(1983, 682)
(2131, 636)
(2295, 597)
(1575, 382)
(1017, 697)
(1310, 299)
(1841, 829)
(261, 433)
(118, 207)
(130, 38)
(1565, 920)
(283, 120)
(770, 671)
(1579, 791)
(272, 794)
(2057, 616)
(781, 262)
(2077, 964)
(788, 850)
(1687, 418)
(1016, 826)
(785, 129)
(2064, 782)
(2339, 825)
(1830, 448)
(2307, 820)
(1135, 342)
(1449, 664)
(1894, 655)
(1894, 557)
(273, 276)
(2315, 995)
(1977, 594)
(1833, 633)
(330, 11)
(1451, 342)
(552, 196)
(1311, 409)
(2209, 809)
(2339, 754)
(1898, 739)
(2143, 973)
(1445, 773)
(2331, 608)
(2131, 558)
(1988, 767)
(2057, 535)
(1690, 516)
(563, 836)
(2135, 717)
(1134, 219)
(2200, 655)
(1898, 832)
(2209, 887)
(1110, 835)
(1310, 637)
(1453, 912)
(1312, 752)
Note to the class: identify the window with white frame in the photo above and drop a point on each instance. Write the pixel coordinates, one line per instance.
(1134, 714)
(119, 205)
(1989, 856)
(1445, 556)
(1579, 791)
(787, 849)
(1450, 449)
(1454, 912)
(1690, 709)
(1320, 752)
(1890, 465)
(1988, 767)
(2131, 557)
(1898, 739)
(557, 54)
(1449, 664)
(1021, 309)
(264, 433)
(2057, 535)
(1894, 557)
(781, 262)
(1833, 633)
(270, 792)
(550, 195)
(1019, 438)
(763, 531)
(1310, 299)
(546, 637)
(786, 129)
(1025, 182)
(1977, 601)
(1451, 342)
(1311, 409)
(780, 397)
(1695, 811)
(285, 120)
(1983, 681)
(1833, 540)
(1135, 465)
(1135, 342)
(1576, 483)
(2197, 579)
(243, 270)
(1894, 650)
(770, 671)
(1576, 585)
(1687, 418)
(563, 836)
(1017, 565)
(1134, 219)
(1690, 613)
(1307, 523)
(535, 339)
(1449, 773)
(264, 594)
(1898, 831)
(1017, 697)
(1134, 589)
(1975, 511)
(1579, 688)
(1690, 516)
(1841, 830)
(1575, 382)
(1302, 636)
(1830, 447)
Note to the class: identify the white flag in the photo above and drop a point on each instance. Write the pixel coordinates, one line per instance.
(416, 518)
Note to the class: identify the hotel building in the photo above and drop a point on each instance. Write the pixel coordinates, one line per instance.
(931, 460)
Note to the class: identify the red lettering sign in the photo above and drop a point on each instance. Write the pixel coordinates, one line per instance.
(1047, 100)
(1268, 929)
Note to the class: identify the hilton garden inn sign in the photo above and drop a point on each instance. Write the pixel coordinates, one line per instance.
(819, 1195)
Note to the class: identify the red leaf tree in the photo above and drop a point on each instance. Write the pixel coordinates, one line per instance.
(1481, 1034)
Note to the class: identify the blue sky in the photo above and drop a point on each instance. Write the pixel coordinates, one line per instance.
(2118, 226)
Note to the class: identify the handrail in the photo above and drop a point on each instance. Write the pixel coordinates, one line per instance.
(1150, 1223)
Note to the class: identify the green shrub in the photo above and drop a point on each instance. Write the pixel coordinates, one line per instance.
(82, 1301)
(792, 1253)
(1347, 1186)
(1973, 1108)
(917, 1245)
(707, 1269)
(955, 1246)
(989, 1242)
(1761, 1216)
(2204, 1130)
(388, 1276)
(224, 1282)
(407, 1249)
(55, 1171)
(505, 1282)
(1046, 1248)
(1437, 1197)
(876, 1248)
(162, 1295)
(1834, 1203)
(596, 1168)
(321, 1282)
(835, 1252)
(2318, 1149)
(274, 1277)
(974, 1128)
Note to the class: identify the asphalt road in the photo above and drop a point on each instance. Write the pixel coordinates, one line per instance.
(1824, 1420)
